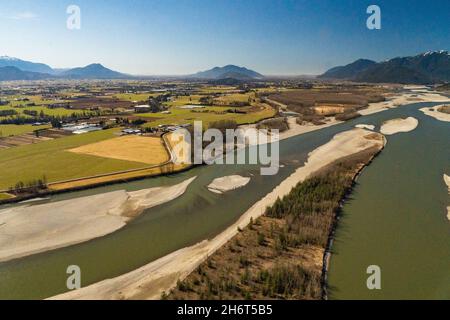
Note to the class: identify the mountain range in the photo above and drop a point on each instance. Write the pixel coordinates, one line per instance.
(6, 61)
(17, 69)
(92, 71)
(228, 72)
(13, 73)
(426, 68)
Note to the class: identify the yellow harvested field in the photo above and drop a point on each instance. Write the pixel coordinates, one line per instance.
(329, 109)
(148, 150)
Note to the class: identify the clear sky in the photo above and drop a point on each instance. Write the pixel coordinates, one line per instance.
(185, 36)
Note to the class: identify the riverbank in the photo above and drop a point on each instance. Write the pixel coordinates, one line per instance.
(30, 229)
(151, 280)
(435, 113)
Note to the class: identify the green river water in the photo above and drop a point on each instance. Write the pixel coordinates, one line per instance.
(395, 219)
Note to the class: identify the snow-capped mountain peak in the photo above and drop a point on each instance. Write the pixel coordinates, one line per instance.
(8, 58)
(429, 53)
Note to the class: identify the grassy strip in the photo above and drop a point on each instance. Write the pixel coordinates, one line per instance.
(8, 130)
(4, 196)
(280, 255)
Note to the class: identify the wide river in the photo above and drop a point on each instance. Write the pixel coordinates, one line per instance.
(396, 220)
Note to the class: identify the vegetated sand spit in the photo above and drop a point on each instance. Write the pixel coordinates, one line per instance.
(151, 280)
(28, 229)
(394, 126)
(435, 113)
(447, 182)
(228, 183)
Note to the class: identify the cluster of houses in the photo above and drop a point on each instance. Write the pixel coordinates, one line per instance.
(162, 128)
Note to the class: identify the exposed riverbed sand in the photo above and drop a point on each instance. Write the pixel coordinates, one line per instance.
(394, 126)
(403, 99)
(28, 229)
(228, 183)
(447, 182)
(149, 281)
(365, 126)
(435, 113)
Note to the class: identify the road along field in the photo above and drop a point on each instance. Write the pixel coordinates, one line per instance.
(149, 150)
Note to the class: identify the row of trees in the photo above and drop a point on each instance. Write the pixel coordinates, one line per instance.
(30, 187)
(34, 116)
(7, 113)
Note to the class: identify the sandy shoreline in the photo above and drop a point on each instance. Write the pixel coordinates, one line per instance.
(433, 112)
(28, 229)
(399, 125)
(149, 281)
(228, 183)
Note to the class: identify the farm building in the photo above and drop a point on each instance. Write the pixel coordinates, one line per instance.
(142, 109)
(131, 131)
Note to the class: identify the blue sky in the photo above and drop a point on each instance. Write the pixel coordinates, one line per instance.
(185, 36)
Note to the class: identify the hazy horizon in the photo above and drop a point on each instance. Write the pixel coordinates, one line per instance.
(174, 37)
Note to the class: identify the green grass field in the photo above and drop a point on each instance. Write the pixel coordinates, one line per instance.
(134, 96)
(47, 111)
(41, 105)
(234, 97)
(8, 130)
(4, 196)
(182, 116)
(50, 159)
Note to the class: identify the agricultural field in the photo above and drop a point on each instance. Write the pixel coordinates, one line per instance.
(184, 100)
(229, 99)
(217, 89)
(149, 150)
(8, 130)
(19, 107)
(52, 160)
(323, 99)
(209, 114)
(134, 96)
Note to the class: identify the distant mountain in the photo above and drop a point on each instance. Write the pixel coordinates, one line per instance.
(349, 71)
(429, 67)
(230, 71)
(92, 71)
(57, 71)
(13, 73)
(23, 65)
